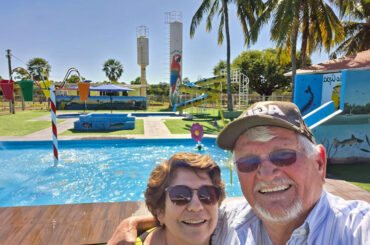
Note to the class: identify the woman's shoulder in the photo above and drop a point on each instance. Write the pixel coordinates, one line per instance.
(140, 239)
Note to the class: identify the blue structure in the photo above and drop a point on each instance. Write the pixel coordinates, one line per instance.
(336, 107)
(101, 103)
(105, 121)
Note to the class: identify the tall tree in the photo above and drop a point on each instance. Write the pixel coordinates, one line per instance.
(20, 74)
(315, 19)
(37, 65)
(265, 70)
(74, 79)
(221, 65)
(113, 69)
(356, 29)
(246, 10)
(136, 81)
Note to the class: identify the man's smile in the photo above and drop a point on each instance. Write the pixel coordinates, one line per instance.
(274, 189)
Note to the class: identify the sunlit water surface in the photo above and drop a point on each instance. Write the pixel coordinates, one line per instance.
(91, 171)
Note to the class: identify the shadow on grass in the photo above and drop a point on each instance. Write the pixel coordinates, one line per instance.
(95, 131)
(357, 172)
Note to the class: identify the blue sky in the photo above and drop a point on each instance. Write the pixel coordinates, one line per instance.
(85, 33)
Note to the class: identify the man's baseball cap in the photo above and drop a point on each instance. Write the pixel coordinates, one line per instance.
(267, 113)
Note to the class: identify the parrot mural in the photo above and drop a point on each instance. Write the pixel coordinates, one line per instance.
(175, 76)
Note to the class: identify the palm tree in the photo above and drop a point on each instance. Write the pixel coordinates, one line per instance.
(36, 66)
(357, 34)
(246, 11)
(314, 19)
(113, 69)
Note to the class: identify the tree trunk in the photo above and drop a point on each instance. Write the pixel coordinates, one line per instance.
(305, 34)
(293, 57)
(229, 95)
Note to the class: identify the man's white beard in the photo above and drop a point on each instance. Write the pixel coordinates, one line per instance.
(289, 214)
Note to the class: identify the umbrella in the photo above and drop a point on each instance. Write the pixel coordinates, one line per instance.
(108, 87)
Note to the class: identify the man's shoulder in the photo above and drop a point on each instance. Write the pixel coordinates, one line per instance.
(346, 208)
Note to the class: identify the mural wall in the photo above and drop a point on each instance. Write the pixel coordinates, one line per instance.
(101, 103)
(345, 136)
(308, 92)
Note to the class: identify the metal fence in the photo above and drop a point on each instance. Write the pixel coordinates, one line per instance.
(41, 102)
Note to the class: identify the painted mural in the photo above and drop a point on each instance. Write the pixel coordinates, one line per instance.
(308, 92)
(345, 136)
(101, 103)
(175, 80)
(331, 84)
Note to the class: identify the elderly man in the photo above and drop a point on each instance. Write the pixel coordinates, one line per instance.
(281, 172)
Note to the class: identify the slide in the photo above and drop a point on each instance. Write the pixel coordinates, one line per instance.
(208, 93)
(321, 114)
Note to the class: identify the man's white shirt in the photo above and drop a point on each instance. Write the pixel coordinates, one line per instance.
(333, 220)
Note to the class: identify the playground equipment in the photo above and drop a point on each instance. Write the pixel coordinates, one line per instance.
(54, 124)
(343, 128)
(210, 89)
(48, 88)
(197, 135)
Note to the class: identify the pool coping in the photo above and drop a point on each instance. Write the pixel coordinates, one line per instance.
(94, 223)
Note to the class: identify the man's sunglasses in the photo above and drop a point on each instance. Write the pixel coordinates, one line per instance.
(279, 158)
(182, 194)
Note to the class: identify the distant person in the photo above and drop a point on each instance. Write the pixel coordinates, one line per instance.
(281, 172)
(184, 195)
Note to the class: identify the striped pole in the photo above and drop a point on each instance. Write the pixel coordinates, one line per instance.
(54, 124)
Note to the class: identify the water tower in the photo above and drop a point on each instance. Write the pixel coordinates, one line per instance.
(175, 22)
(142, 33)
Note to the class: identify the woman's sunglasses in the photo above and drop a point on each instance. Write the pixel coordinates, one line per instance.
(182, 194)
(279, 158)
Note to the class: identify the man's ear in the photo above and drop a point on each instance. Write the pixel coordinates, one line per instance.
(321, 161)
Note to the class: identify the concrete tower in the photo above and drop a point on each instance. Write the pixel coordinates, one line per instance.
(174, 19)
(142, 33)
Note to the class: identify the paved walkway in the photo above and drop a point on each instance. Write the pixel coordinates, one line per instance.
(154, 127)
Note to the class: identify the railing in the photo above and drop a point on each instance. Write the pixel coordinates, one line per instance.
(40, 102)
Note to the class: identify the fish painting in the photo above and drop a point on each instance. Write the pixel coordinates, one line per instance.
(367, 140)
(351, 141)
(365, 150)
(116, 125)
(306, 108)
(86, 125)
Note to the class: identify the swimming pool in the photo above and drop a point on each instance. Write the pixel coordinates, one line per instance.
(90, 170)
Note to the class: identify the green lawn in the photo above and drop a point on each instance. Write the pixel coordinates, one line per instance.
(183, 126)
(139, 129)
(357, 173)
(18, 124)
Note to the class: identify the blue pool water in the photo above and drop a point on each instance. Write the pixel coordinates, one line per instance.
(91, 170)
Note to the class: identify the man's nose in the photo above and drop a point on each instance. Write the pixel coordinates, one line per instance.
(267, 171)
(195, 204)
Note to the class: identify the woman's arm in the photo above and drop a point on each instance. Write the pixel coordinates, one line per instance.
(126, 232)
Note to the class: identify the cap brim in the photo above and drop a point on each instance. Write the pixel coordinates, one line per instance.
(228, 136)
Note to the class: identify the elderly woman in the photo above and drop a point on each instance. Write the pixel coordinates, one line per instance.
(184, 194)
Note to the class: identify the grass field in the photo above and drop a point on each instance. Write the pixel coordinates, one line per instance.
(19, 124)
